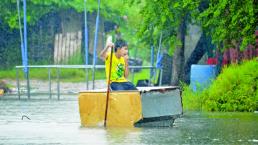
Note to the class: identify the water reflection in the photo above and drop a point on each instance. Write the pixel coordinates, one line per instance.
(58, 122)
(124, 135)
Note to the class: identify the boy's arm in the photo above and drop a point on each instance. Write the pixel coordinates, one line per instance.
(103, 53)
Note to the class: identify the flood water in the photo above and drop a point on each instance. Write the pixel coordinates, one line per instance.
(58, 122)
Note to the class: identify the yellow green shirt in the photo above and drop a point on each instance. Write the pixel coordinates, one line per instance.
(117, 70)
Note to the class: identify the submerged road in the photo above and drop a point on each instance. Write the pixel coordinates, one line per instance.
(43, 121)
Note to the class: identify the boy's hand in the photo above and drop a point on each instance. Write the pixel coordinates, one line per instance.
(126, 57)
(110, 45)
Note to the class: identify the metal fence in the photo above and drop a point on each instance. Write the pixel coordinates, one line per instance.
(58, 67)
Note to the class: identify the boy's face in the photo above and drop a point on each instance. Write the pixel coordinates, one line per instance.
(123, 51)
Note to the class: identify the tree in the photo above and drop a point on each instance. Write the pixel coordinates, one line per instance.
(169, 18)
(37, 8)
(115, 11)
(230, 22)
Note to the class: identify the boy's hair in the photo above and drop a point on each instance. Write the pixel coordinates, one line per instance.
(119, 44)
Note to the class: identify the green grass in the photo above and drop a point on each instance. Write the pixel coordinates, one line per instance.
(71, 75)
(7, 74)
(67, 75)
(192, 101)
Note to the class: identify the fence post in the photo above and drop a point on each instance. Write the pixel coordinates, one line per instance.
(87, 78)
(161, 75)
(58, 83)
(18, 83)
(49, 79)
(28, 83)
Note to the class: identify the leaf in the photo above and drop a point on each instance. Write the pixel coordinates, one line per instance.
(176, 5)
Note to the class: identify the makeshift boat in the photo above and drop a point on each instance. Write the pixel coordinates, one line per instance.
(147, 107)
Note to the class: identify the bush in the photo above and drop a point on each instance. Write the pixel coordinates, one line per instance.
(191, 100)
(235, 89)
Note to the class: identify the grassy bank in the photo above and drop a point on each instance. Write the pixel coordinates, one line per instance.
(68, 75)
(235, 89)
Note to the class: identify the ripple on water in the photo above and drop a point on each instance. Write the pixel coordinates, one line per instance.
(58, 122)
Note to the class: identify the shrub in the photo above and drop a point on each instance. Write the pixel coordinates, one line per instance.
(235, 89)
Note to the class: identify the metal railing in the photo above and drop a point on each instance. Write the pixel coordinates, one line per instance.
(58, 67)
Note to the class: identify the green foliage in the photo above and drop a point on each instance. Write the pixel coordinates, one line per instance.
(157, 16)
(9, 54)
(120, 12)
(230, 22)
(226, 21)
(191, 100)
(35, 10)
(8, 57)
(38, 8)
(163, 17)
(235, 89)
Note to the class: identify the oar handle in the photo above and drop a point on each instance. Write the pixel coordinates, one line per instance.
(108, 86)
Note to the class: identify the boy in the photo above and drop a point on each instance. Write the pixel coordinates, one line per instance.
(119, 69)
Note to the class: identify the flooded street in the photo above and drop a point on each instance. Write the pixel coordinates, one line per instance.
(43, 121)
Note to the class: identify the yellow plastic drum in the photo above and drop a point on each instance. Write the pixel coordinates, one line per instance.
(124, 108)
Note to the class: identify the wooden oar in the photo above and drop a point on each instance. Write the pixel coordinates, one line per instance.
(108, 87)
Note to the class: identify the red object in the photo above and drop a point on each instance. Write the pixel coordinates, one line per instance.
(212, 61)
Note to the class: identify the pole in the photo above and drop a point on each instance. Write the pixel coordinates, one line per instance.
(21, 37)
(25, 47)
(86, 43)
(161, 75)
(58, 83)
(152, 64)
(158, 55)
(18, 83)
(49, 79)
(28, 84)
(95, 45)
(108, 87)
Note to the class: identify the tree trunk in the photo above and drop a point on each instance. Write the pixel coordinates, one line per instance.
(178, 56)
(220, 60)
(201, 48)
(204, 44)
(195, 56)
